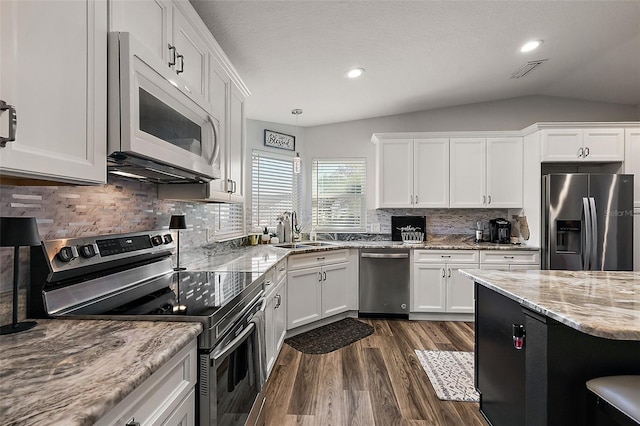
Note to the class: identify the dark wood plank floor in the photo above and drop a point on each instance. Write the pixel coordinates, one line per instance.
(377, 381)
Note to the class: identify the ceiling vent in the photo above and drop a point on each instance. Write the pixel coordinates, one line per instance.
(527, 68)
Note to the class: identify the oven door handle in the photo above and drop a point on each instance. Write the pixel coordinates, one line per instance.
(233, 345)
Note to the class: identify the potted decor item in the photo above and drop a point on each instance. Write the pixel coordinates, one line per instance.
(265, 236)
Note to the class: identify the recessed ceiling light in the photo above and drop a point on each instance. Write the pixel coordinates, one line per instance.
(355, 73)
(530, 45)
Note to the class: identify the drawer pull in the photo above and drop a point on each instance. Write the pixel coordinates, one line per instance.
(132, 422)
(320, 258)
(445, 255)
(508, 257)
(280, 269)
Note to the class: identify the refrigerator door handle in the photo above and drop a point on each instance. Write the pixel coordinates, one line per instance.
(593, 250)
(587, 234)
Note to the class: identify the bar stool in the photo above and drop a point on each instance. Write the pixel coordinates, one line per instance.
(614, 400)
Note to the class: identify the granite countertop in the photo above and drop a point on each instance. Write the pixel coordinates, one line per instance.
(72, 372)
(260, 258)
(602, 304)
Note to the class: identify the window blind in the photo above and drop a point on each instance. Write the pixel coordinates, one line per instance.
(230, 221)
(339, 201)
(273, 188)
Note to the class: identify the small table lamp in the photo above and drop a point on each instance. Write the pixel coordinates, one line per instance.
(17, 232)
(178, 222)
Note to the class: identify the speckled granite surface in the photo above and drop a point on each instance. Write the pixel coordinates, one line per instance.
(602, 304)
(261, 257)
(68, 372)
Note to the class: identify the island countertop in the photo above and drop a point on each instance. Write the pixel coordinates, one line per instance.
(601, 304)
(72, 372)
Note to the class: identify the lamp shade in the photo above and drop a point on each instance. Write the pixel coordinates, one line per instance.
(18, 232)
(178, 222)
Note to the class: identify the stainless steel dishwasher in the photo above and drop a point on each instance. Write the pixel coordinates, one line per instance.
(384, 282)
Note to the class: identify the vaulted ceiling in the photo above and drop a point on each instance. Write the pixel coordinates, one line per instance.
(421, 55)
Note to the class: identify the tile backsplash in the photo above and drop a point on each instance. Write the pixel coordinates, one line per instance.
(121, 206)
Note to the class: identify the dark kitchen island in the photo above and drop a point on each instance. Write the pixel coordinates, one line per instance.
(578, 325)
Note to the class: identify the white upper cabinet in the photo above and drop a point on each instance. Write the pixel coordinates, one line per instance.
(504, 172)
(191, 57)
(431, 173)
(236, 150)
(413, 173)
(146, 20)
(468, 172)
(168, 29)
(394, 173)
(53, 75)
(588, 144)
(632, 161)
(486, 172)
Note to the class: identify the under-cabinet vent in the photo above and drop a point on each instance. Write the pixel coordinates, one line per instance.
(527, 68)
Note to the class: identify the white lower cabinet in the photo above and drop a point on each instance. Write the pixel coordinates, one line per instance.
(318, 286)
(509, 260)
(275, 321)
(167, 397)
(437, 286)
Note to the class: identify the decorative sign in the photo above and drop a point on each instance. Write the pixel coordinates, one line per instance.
(279, 140)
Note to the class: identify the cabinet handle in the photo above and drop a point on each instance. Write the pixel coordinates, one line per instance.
(279, 301)
(586, 152)
(580, 152)
(320, 258)
(319, 277)
(442, 272)
(13, 123)
(280, 269)
(484, 199)
(508, 257)
(445, 255)
(489, 200)
(215, 149)
(325, 276)
(235, 187)
(449, 275)
(416, 199)
(132, 422)
(411, 199)
(172, 61)
(181, 69)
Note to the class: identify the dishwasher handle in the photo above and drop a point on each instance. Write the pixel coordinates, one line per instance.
(385, 255)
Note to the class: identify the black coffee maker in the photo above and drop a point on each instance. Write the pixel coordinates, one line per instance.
(500, 231)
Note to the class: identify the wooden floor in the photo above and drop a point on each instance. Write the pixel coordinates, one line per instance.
(375, 381)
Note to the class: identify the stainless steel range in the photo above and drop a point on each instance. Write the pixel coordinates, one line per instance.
(130, 277)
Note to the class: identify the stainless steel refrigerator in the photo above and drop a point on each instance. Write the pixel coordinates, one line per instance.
(587, 222)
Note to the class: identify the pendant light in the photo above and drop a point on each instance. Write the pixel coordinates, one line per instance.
(297, 162)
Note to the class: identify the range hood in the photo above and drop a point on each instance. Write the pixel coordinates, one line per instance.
(217, 191)
(142, 169)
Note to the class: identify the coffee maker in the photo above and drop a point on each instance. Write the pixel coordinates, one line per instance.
(500, 231)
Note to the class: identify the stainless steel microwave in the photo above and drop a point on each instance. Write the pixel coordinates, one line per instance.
(156, 131)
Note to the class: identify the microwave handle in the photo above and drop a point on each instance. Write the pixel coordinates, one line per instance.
(216, 145)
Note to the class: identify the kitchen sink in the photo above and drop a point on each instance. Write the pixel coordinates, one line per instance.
(316, 243)
(305, 244)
